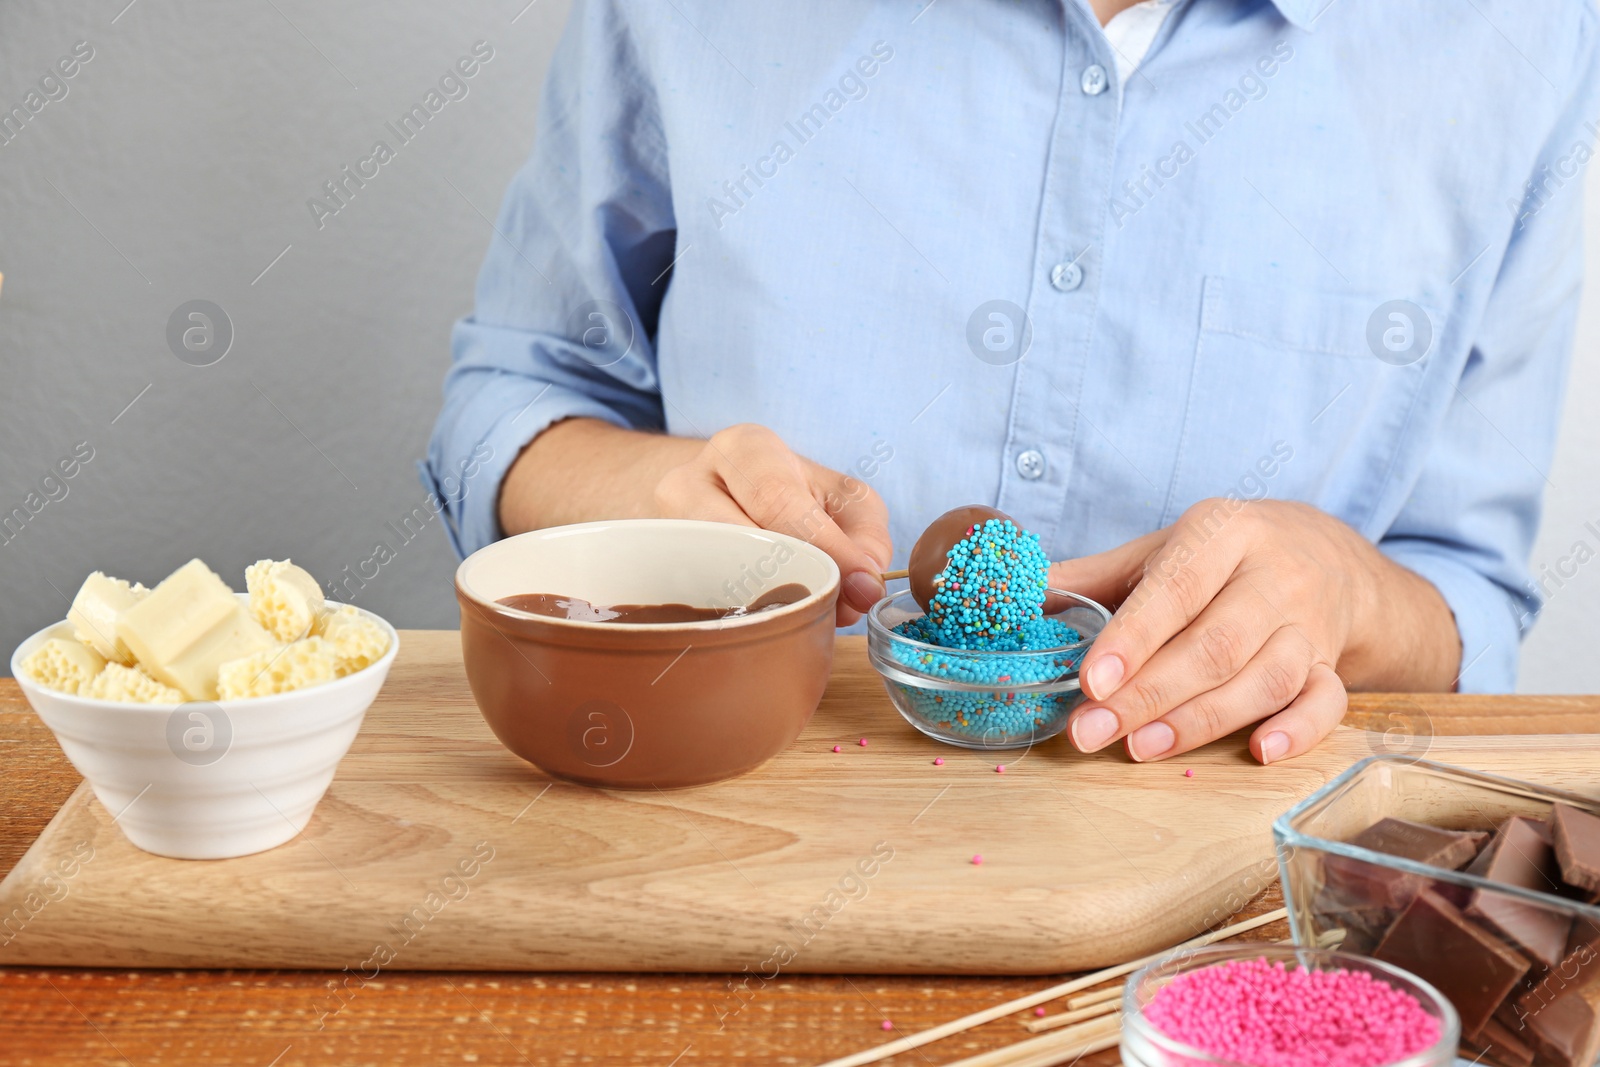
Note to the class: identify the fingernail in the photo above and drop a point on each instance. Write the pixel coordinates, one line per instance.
(862, 590)
(1274, 747)
(1151, 741)
(1103, 677)
(1092, 729)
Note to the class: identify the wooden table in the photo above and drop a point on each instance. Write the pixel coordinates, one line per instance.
(269, 1017)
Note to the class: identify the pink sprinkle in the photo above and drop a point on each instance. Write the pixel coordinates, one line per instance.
(836, 748)
(977, 861)
(862, 742)
(938, 761)
(999, 768)
(887, 1025)
(1039, 1012)
(1259, 1012)
(1189, 773)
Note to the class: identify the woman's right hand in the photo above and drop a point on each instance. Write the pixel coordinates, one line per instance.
(583, 469)
(748, 476)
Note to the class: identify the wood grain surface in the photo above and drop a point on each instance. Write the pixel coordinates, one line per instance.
(403, 1017)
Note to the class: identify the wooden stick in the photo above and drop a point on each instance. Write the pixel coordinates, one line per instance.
(1067, 1055)
(1062, 1045)
(1099, 996)
(1067, 1018)
(1055, 992)
(890, 576)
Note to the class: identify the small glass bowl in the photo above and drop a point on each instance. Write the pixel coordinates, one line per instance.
(987, 710)
(1145, 1046)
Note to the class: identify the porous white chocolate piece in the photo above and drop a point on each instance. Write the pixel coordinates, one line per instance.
(187, 627)
(100, 602)
(63, 664)
(357, 642)
(130, 685)
(278, 670)
(284, 598)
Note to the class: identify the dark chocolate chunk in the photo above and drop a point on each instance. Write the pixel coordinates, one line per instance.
(1364, 925)
(1560, 1014)
(1567, 1031)
(1521, 855)
(1417, 841)
(1470, 966)
(1585, 931)
(1382, 887)
(1503, 1044)
(1577, 843)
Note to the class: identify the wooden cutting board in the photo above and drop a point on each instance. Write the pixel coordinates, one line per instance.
(860, 861)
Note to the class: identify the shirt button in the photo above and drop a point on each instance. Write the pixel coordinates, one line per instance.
(1066, 276)
(1030, 464)
(1094, 80)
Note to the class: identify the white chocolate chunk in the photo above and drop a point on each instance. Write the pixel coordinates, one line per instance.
(64, 665)
(187, 627)
(284, 599)
(100, 602)
(130, 685)
(357, 642)
(295, 666)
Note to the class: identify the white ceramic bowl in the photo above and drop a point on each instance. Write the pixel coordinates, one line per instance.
(209, 780)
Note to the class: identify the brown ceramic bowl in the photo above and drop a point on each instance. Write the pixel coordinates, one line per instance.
(657, 704)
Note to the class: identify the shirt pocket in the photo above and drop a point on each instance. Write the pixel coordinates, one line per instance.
(1288, 400)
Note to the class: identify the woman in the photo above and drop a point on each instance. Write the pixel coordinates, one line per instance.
(1257, 313)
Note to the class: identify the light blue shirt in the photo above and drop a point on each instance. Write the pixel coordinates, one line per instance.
(940, 247)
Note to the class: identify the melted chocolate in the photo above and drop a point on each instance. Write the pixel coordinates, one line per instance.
(578, 610)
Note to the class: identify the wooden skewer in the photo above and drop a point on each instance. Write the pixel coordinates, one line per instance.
(1055, 992)
(1071, 1054)
(1061, 1046)
(890, 576)
(1099, 996)
(1067, 1018)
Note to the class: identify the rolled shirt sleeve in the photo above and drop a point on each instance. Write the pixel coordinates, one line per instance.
(1470, 522)
(569, 296)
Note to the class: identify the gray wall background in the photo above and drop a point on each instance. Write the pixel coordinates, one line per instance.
(177, 167)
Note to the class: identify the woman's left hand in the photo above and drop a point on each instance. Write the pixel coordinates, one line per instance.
(1250, 612)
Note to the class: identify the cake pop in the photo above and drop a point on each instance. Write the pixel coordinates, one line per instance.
(931, 554)
(981, 582)
(980, 578)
